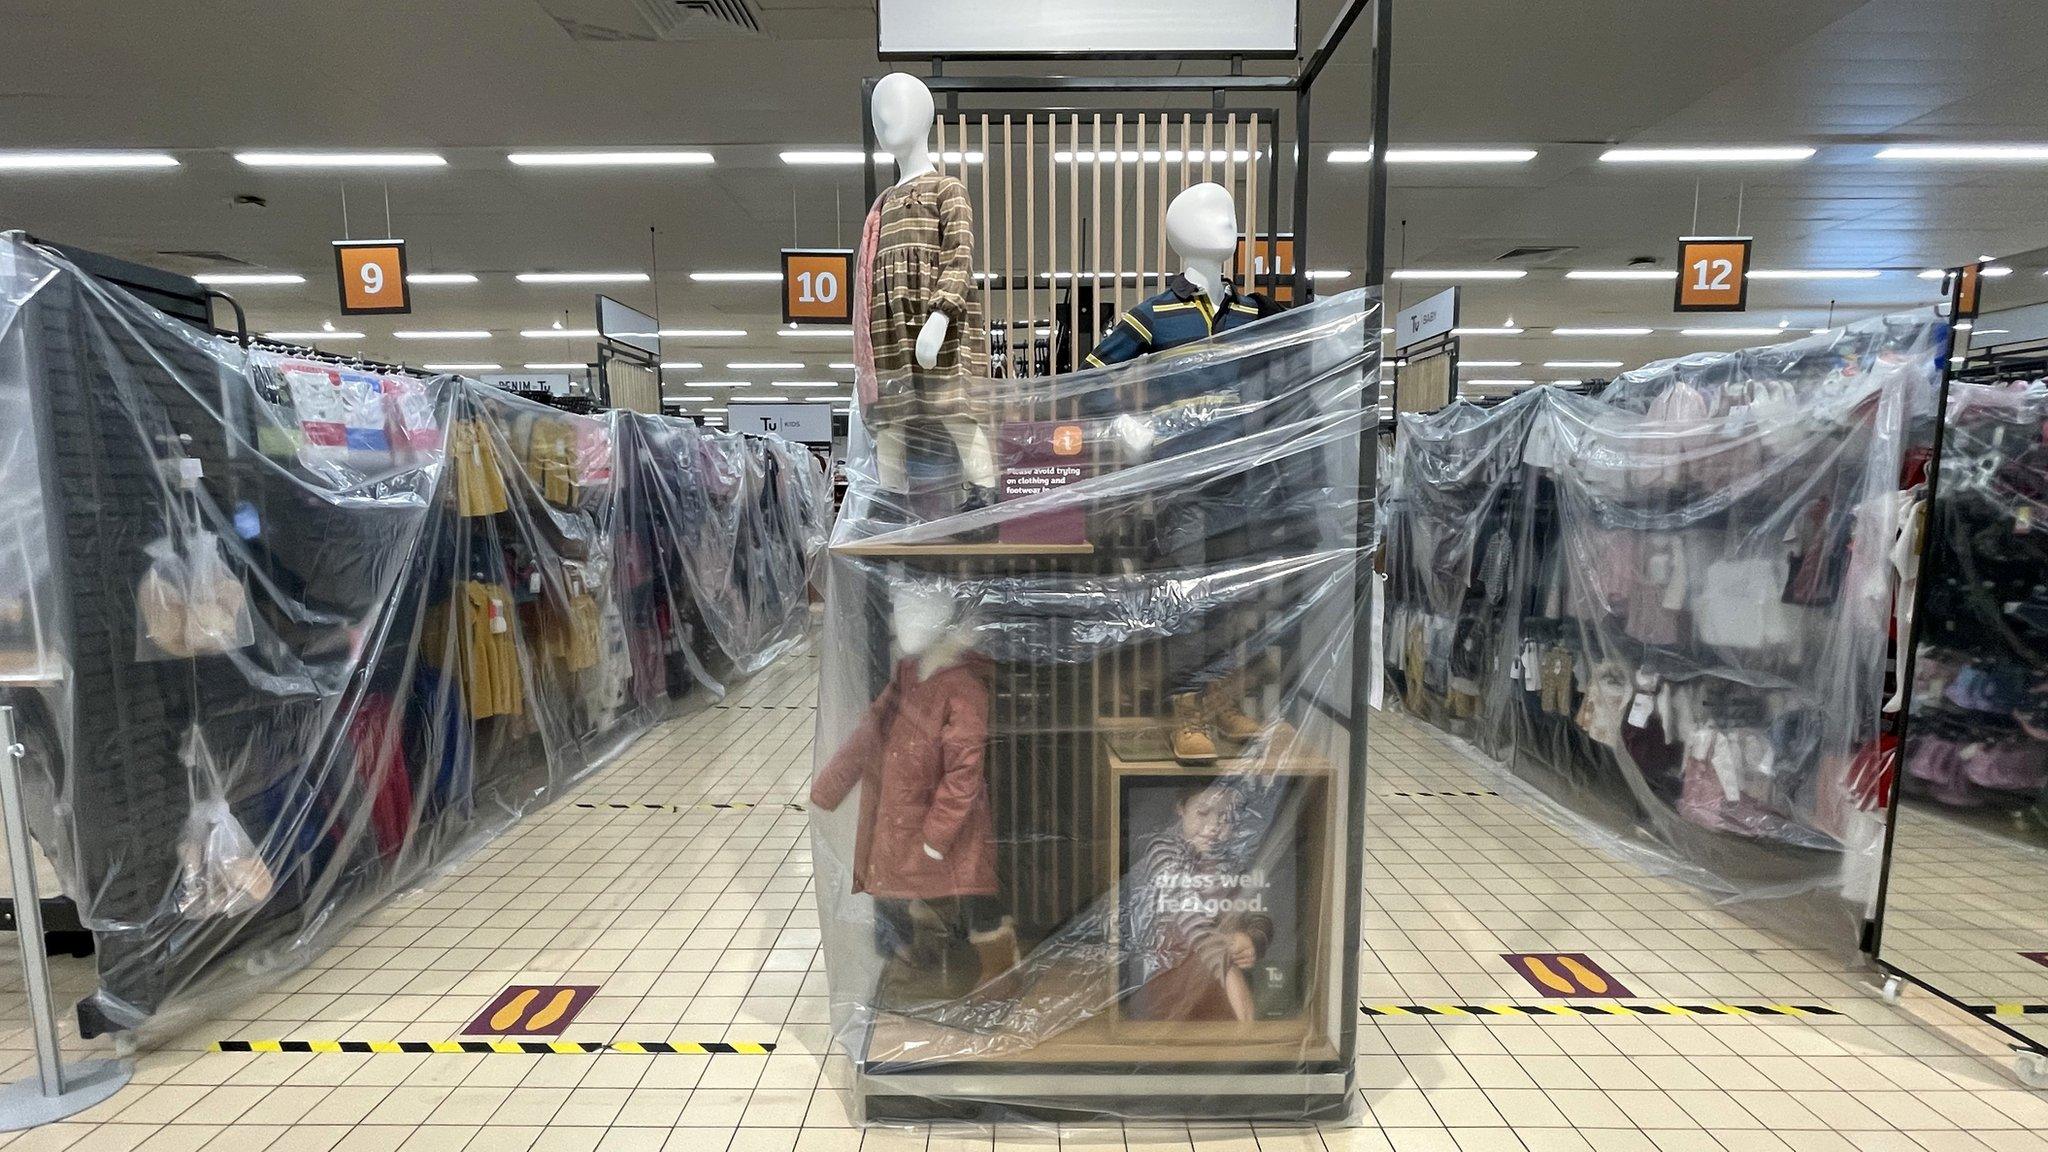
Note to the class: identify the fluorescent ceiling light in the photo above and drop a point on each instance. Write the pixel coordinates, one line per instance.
(568, 366)
(1622, 274)
(841, 365)
(702, 333)
(1709, 155)
(440, 278)
(1814, 274)
(818, 156)
(1743, 332)
(764, 365)
(311, 336)
(716, 384)
(758, 399)
(1460, 274)
(1582, 363)
(582, 277)
(451, 334)
(250, 278)
(1601, 331)
(1450, 156)
(842, 411)
(81, 160)
(2007, 152)
(462, 367)
(808, 384)
(635, 158)
(342, 159)
(1329, 274)
(737, 277)
(559, 333)
(845, 332)
(1568, 383)
(682, 365)
(1502, 331)
(1497, 383)
(1489, 363)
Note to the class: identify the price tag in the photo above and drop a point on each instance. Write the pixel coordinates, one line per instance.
(817, 285)
(1713, 274)
(371, 274)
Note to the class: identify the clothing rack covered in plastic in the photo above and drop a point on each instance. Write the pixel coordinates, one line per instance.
(1669, 607)
(289, 635)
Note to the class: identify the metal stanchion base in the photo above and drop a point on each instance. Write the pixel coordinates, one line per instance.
(23, 1105)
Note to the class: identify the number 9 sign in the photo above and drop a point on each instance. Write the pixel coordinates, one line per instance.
(371, 274)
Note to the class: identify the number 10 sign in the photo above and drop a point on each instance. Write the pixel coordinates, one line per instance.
(372, 276)
(1713, 274)
(817, 286)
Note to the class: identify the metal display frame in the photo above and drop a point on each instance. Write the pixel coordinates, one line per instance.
(2031, 1052)
(1169, 1087)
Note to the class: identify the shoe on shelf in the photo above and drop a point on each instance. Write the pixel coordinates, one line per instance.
(1224, 710)
(1192, 741)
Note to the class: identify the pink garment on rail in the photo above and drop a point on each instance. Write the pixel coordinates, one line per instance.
(867, 388)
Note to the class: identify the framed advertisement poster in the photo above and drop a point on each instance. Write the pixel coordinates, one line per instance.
(1219, 923)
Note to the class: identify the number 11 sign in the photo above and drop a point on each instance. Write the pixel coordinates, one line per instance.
(1713, 274)
(372, 276)
(817, 286)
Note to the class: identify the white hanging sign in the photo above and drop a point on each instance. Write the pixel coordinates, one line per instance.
(1087, 27)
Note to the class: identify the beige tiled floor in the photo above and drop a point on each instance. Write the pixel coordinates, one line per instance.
(697, 924)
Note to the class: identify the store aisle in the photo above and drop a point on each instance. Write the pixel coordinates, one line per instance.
(677, 886)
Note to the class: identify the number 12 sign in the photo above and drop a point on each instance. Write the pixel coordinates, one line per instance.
(1713, 274)
(372, 276)
(817, 285)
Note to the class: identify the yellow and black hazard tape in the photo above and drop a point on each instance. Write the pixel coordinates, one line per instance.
(1616, 1008)
(2010, 1009)
(1445, 794)
(511, 1047)
(650, 807)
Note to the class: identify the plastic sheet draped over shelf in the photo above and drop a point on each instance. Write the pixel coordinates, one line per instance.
(315, 629)
(1030, 906)
(1668, 608)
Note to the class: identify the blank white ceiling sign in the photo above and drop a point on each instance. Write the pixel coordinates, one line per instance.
(1046, 27)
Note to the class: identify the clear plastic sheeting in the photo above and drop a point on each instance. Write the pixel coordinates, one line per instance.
(1086, 814)
(286, 635)
(1669, 609)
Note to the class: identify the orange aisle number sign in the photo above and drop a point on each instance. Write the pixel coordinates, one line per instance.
(1275, 273)
(1968, 282)
(817, 286)
(1713, 274)
(372, 275)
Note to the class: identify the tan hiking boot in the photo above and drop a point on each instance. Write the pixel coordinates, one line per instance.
(1223, 706)
(1192, 742)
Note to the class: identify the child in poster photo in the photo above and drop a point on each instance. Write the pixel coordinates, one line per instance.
(1195, 916)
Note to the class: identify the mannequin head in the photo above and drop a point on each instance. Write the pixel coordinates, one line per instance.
(923, 617)
(903, 114)
(1201, 225)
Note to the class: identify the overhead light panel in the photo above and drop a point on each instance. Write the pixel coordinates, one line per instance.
(462, 367)
(1489, 363)
(701, 333)
(808, 383)
(82, 160)
(1710, 155)
(440, 278)
(1460, 274)
(1329, 274)
(764, 365)
(682, 365)
(1601, 331)
(1622, 274)
(1501, 383)
(632, 158)
(447, 334)
(566, 366)
(759, 399)
(1744, 333)
(1451, 156)
(582, 277)
(1814, 274)
(2009, 153)
(737, 277)
(1582, 363)
(846, 333)
(825, 156)
(342, 159)
(841, 365)
(716, 384)
(559, 333)
(249, 278)
(1505, 330)
(309, 337)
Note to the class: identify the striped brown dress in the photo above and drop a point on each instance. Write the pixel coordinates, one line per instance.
(924, 263)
